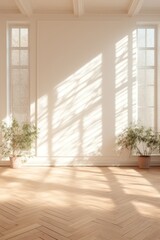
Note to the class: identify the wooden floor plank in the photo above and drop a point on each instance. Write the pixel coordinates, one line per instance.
(80, 203)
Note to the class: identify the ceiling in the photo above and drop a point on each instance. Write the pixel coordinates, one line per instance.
(80, 8)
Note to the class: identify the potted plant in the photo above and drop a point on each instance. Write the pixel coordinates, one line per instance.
(17, 140)
(141, 140)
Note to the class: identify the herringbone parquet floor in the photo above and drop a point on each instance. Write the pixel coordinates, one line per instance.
(87, 203)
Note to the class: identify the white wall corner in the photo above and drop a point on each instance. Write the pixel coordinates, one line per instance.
(25, 7)
(78, 7)
(135, 7)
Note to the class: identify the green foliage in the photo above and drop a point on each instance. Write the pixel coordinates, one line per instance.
(17, 138)
(144, 141)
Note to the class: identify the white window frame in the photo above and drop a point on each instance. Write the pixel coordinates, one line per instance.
(155, 68)
(11, 67)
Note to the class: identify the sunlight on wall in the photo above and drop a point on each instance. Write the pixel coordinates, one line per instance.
(43, 123)
(77, 117)
(134, 78)
(121, 85)
(92, 136)
(71, 116)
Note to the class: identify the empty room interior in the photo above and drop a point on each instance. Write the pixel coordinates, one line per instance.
(79, 120)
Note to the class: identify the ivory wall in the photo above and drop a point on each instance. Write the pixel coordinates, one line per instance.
(83, 85)
(82, 88)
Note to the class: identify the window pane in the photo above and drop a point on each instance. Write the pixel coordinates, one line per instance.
(141, 37)
(15, 77)
(24, 37)
(150, 96)
(146, 116)
(24, 57)
(20, 93)
(150, 58)
(15, 57)
(24, 76)
(142, 115)
(150, 117)
(19, 72)
(146, 76)
(150, 37)
(141, 96)
(141, 76)
(146, 96)
(15, 37)
(141, 58)
(20, 76)
(150, 76)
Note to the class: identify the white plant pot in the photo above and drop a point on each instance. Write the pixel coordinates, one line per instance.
(15, 162)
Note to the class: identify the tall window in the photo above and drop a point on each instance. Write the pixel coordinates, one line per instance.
(147, 97)
(19, 72)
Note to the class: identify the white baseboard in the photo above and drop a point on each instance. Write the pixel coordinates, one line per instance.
(100, 161)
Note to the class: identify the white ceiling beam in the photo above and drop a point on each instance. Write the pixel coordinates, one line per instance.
(24, 7)
(78, 7)
(135, 7)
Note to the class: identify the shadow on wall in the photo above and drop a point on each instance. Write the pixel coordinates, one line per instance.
(73, 125)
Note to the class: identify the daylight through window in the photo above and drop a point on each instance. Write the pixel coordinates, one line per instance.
(19, 72)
